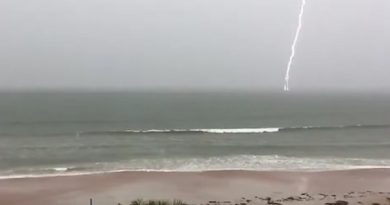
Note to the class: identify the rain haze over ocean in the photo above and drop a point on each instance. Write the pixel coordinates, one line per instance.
(92, 86)
(193, 45)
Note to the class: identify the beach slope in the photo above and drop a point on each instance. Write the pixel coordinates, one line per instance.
(365, 186)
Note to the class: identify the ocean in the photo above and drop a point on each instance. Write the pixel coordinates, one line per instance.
(49, 133)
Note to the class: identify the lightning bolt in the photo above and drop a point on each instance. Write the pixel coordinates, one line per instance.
(297, 33)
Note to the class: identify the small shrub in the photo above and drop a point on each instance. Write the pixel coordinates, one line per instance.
(152, 202)
(138, 202)
(163, 202)
(178, 202)
(157, 202)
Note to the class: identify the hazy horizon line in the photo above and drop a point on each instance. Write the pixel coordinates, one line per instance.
(237, 90)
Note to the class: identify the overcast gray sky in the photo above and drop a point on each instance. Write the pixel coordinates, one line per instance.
(193, 44)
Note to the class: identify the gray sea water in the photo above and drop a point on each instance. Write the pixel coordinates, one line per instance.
(73, 133)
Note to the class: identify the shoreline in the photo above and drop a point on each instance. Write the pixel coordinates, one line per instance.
(70, 173)
(191, 187)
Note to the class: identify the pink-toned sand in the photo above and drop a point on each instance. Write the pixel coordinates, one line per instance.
(355, 186)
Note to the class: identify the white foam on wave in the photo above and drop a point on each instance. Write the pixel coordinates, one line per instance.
(213, 130)
(236, 130)
(240, 130)
(260, 163)
(237, 162)
(60, 169)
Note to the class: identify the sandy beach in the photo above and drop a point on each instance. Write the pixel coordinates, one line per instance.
(366, 186)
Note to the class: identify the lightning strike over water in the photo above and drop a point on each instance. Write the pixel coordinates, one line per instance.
(287, 77)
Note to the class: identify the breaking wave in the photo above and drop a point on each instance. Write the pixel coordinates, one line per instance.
(236, 162)
(237, 130)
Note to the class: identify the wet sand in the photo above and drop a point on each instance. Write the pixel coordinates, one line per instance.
(362, 187)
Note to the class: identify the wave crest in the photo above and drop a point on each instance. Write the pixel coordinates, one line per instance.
(237, 130)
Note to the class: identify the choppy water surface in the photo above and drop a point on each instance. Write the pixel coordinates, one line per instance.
(68, 133)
